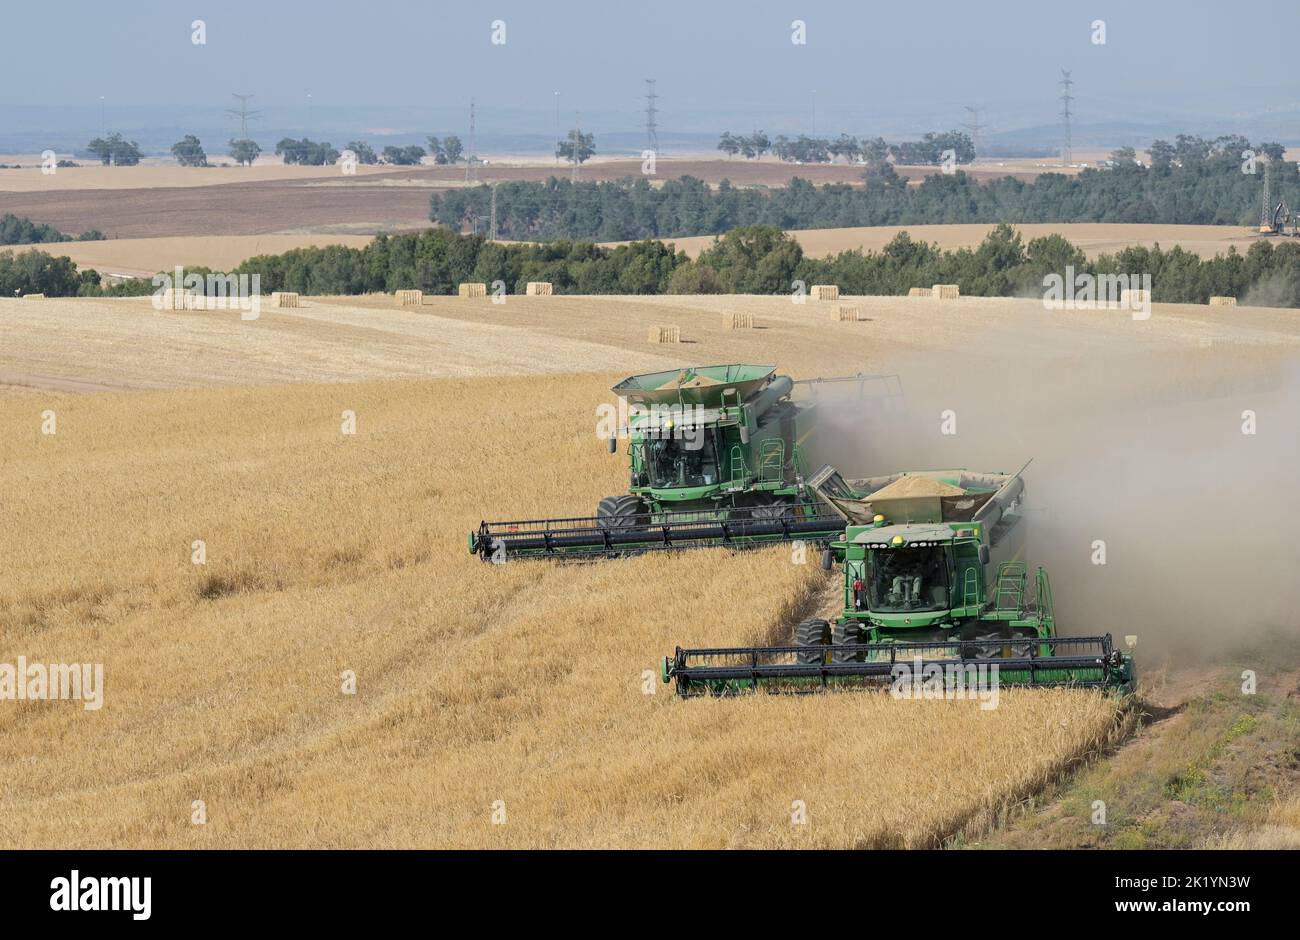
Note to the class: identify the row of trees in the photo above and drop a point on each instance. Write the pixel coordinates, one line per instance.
(761, 259)
(928, 151)
(1186, 150)
(757, 259)
(306, 152)
(115, 150)
(37, 272)
(1190, 150)
(16, 230)
(1212, 191)
(188, 151)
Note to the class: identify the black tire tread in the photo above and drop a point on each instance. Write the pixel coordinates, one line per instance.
(845, 633)
(620, 510)
(812, 632)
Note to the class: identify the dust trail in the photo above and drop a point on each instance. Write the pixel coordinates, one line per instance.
(1139, 449)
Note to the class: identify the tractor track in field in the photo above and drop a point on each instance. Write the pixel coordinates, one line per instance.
(1194, 765)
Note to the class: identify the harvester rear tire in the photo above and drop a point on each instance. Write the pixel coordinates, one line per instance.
(982, 651)
(845, 633)
(1024, 644)
(812, 632)
(774, 510)
(619, 511)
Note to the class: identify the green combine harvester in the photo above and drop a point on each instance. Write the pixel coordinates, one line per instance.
(933, 585)
(716, 456)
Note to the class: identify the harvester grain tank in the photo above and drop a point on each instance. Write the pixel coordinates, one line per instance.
(932, 579)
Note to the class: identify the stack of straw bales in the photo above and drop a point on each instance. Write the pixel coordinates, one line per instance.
(665, 334)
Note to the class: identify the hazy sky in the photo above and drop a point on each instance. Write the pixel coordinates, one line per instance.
(862, 58)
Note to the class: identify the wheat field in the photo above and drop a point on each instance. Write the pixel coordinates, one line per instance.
(514, 690)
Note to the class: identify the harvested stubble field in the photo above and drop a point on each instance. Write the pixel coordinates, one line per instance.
(144, 257)
(520, 683)
(124, 343)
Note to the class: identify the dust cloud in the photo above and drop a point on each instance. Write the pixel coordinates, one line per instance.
(1136, 447)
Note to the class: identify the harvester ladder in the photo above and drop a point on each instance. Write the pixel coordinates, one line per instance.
(1046, 609)
(1011, 582)
(739, 469)
(970, 590)
(771, 461)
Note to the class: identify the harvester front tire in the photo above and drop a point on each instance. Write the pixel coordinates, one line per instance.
(812, 632)
(845, 633)
(619, 511)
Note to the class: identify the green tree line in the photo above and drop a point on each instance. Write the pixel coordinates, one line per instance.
(17, 230)
(1208, 191)
(755, 259)
(804, 149)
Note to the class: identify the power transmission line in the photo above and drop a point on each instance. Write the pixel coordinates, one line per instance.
(471, 170)
(1266, 214)
(243, 114)
(492, 228)
(1067, 149)
(975, 127)
(577, 143)
(651, 128)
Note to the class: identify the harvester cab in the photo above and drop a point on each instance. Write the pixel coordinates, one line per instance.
(932, 577)
(917, 553)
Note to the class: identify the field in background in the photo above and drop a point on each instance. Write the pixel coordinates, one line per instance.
(155, 174)
(160, 200)
(710, 168)
(1093, 238)
(146, 256)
